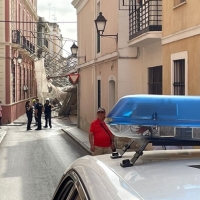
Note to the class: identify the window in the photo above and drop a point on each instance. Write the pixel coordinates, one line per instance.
(155, 80)
(111, 94)
(179, 77)
(99, 93)
(13, 82)
(98, 42)
(177, 2)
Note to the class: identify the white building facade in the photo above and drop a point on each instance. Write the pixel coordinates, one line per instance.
(115, 68)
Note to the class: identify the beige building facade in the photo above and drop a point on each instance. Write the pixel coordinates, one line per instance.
(18, 82)
(180, 46)
(130, 65)
(98, 75)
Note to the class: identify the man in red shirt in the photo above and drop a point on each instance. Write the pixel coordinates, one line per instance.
(100, 137)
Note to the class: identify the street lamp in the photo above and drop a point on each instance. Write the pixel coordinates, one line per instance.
(100, 23)
(19, 59)
(25, 88)
(74, 50)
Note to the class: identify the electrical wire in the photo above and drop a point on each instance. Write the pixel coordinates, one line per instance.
(38, 22)
(70, 62)
(68, 39)
(48, 40)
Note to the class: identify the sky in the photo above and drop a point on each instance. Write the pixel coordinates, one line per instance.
(60, 11)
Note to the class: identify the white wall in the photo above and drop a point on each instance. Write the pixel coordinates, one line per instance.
(133, 62)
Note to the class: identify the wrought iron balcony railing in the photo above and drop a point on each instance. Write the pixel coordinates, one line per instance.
(23, 44)
(16, 36)
(144, 17)
(31, 48)
(27, 45)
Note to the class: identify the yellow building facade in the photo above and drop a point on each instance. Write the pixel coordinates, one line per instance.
(181, 47)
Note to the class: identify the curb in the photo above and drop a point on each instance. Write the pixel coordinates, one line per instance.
(2, 134)
(17, 124)
(78, 141)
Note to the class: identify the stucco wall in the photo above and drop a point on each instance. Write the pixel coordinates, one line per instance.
(179, 18)
(87, 34)
(2, 74)
(88, 90)
(191, 45)
(12, 112)
(110, 11)
(133, 73)
(86, 37)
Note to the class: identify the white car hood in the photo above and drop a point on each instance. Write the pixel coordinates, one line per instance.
(157, 175)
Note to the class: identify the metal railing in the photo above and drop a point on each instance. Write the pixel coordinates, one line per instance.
(23, 44)
(16, 36)
(144, 18)
(27, 45)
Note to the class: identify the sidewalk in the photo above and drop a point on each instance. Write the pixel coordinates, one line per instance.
(3, 129)
(77, 134)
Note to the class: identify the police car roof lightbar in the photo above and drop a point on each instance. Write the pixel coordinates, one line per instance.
(157, 119)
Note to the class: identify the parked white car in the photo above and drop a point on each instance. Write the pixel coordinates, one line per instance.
(143, 175)
(157, 175)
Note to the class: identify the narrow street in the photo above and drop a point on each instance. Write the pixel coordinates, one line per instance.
(32, 162)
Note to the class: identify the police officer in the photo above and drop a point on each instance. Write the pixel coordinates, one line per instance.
(47, 112)
(29, 113)
(38, 114)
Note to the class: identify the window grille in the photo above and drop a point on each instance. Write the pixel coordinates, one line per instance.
(179, 77)
(155, 80)
(144, 16)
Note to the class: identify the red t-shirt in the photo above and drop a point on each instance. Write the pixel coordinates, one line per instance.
(101, 137)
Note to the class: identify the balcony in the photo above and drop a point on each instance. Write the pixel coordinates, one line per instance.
(32, 48)
(16, 36)
(23, 42)
(28, 45)
(145, 22)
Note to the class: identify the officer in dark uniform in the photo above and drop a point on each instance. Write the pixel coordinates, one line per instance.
(29, 113)
(38, 114)
(47, 112)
